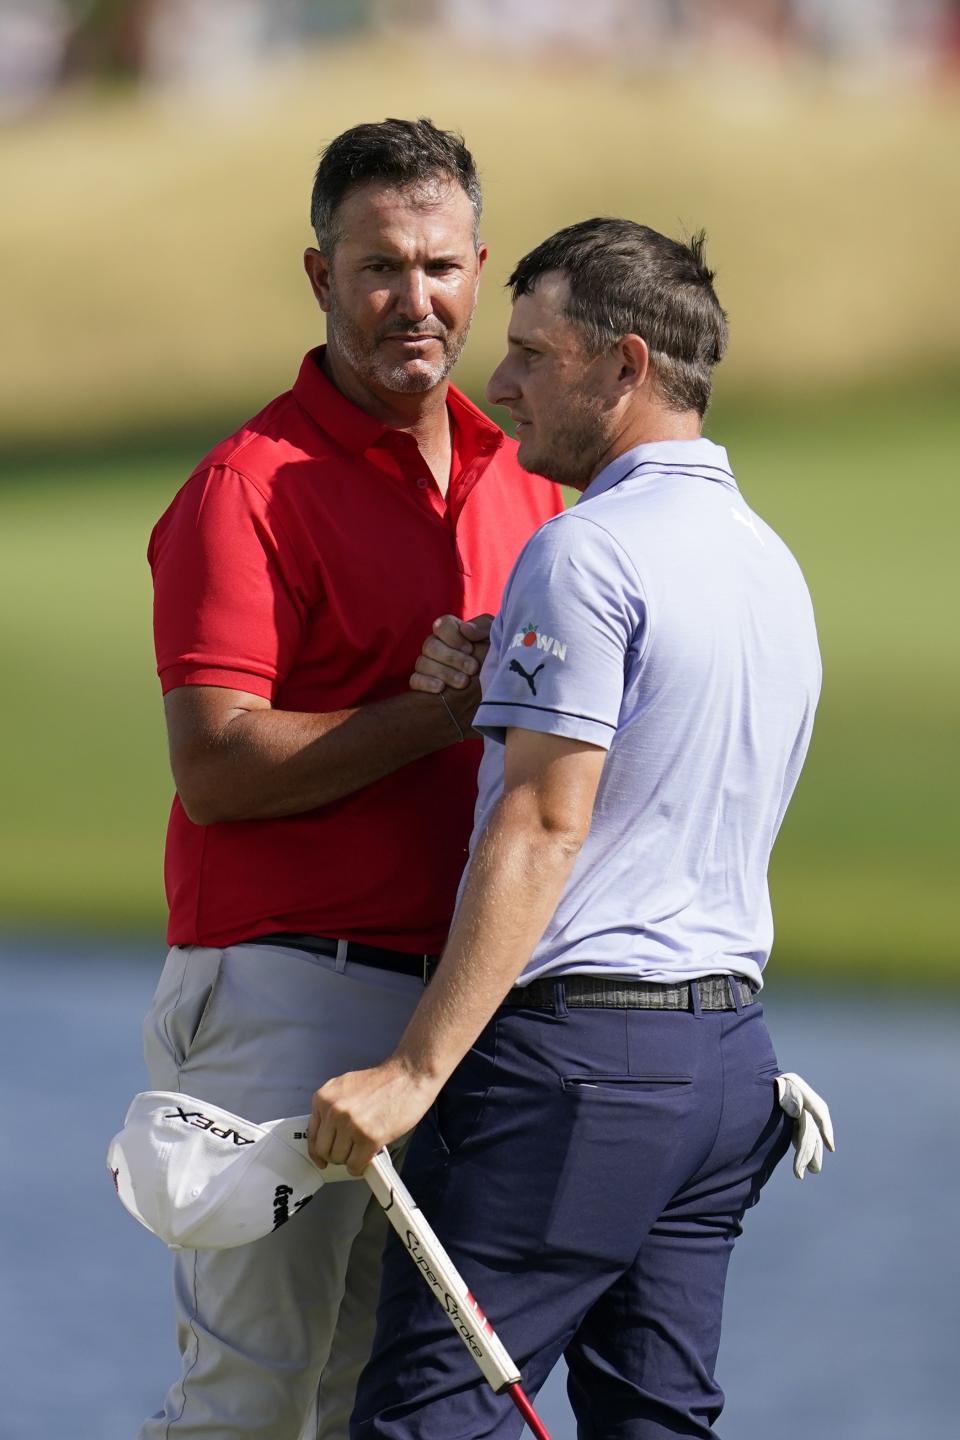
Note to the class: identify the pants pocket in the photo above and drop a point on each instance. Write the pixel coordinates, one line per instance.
(766, 1075)
(189, 1014)
(460, 1105)
(622, 1084)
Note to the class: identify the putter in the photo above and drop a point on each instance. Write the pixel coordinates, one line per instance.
(439, 1272)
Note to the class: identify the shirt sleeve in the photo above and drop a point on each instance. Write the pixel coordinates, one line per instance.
(572, 610)
(229, 608)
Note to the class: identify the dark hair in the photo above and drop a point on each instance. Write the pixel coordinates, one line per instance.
(627, 279)
(399, 152)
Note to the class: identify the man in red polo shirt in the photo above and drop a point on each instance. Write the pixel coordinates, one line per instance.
(323, 810)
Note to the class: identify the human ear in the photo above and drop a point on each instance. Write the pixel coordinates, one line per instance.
(481, 261)
(317, 267)
(633, 355)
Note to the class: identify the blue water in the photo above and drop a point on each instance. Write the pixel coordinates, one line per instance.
(842, 1310)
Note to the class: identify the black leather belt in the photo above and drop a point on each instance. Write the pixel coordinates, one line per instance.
(594, 992)
(401, 962)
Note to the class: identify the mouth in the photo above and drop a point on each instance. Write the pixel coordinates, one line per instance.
(414, 341)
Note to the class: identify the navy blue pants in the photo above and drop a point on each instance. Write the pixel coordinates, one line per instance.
(587, 1171)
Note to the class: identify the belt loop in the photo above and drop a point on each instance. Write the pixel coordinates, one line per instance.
(733, 985)
(560, 998)
(341, 960)
(695, 996)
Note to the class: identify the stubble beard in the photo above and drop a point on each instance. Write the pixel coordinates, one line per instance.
(365, 357)
(573, 450)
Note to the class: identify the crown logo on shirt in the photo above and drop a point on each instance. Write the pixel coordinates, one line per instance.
(532, 637)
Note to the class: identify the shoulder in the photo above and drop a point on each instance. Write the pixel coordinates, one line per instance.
(233, 486)
(259, 449)
(256, 464)
(581, 562)
(583, 533)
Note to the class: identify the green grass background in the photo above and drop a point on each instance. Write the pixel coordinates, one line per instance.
(155, 299)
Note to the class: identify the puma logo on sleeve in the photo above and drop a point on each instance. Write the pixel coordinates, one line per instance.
(530, 679)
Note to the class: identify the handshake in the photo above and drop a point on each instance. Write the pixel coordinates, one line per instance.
(449, 666)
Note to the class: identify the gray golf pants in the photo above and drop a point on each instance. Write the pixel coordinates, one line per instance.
(273, 1335)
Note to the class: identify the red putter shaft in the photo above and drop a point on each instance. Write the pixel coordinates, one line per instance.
(534, 1423)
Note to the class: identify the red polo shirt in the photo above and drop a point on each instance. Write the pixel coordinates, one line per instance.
(305, 560)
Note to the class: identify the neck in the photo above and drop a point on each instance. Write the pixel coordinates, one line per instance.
(648, 428)
(423, 413)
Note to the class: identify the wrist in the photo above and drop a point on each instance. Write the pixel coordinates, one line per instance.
(422, 1072)
(454, 722)
(460, 704)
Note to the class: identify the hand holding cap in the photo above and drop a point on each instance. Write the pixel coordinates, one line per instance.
(203, 1178)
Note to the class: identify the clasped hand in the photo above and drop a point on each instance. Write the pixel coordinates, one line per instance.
(452, 655)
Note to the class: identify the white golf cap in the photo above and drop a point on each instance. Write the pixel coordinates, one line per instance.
(204, 1179)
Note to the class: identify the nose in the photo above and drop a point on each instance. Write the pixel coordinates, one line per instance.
(500, 387)
(413, 300)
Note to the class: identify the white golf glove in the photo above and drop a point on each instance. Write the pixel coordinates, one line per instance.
(812, 1126)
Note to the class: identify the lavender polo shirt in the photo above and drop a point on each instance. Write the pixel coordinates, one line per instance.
(661, 619)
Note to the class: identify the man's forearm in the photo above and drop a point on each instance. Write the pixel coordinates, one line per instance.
(515, 881)
(517, 874)
(263, 763)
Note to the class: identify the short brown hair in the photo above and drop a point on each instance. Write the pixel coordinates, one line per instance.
(626, 279)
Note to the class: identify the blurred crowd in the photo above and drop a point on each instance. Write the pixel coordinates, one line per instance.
(46, 44)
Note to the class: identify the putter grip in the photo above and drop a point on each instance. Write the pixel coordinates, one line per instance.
(439, 1272)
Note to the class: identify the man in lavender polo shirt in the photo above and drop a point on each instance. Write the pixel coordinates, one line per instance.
(680, 639)
(608, 1108)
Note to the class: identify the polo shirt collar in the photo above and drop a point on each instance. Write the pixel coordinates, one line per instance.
(356, 431)
(698, 457)
(352, 428)
(479, 435)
